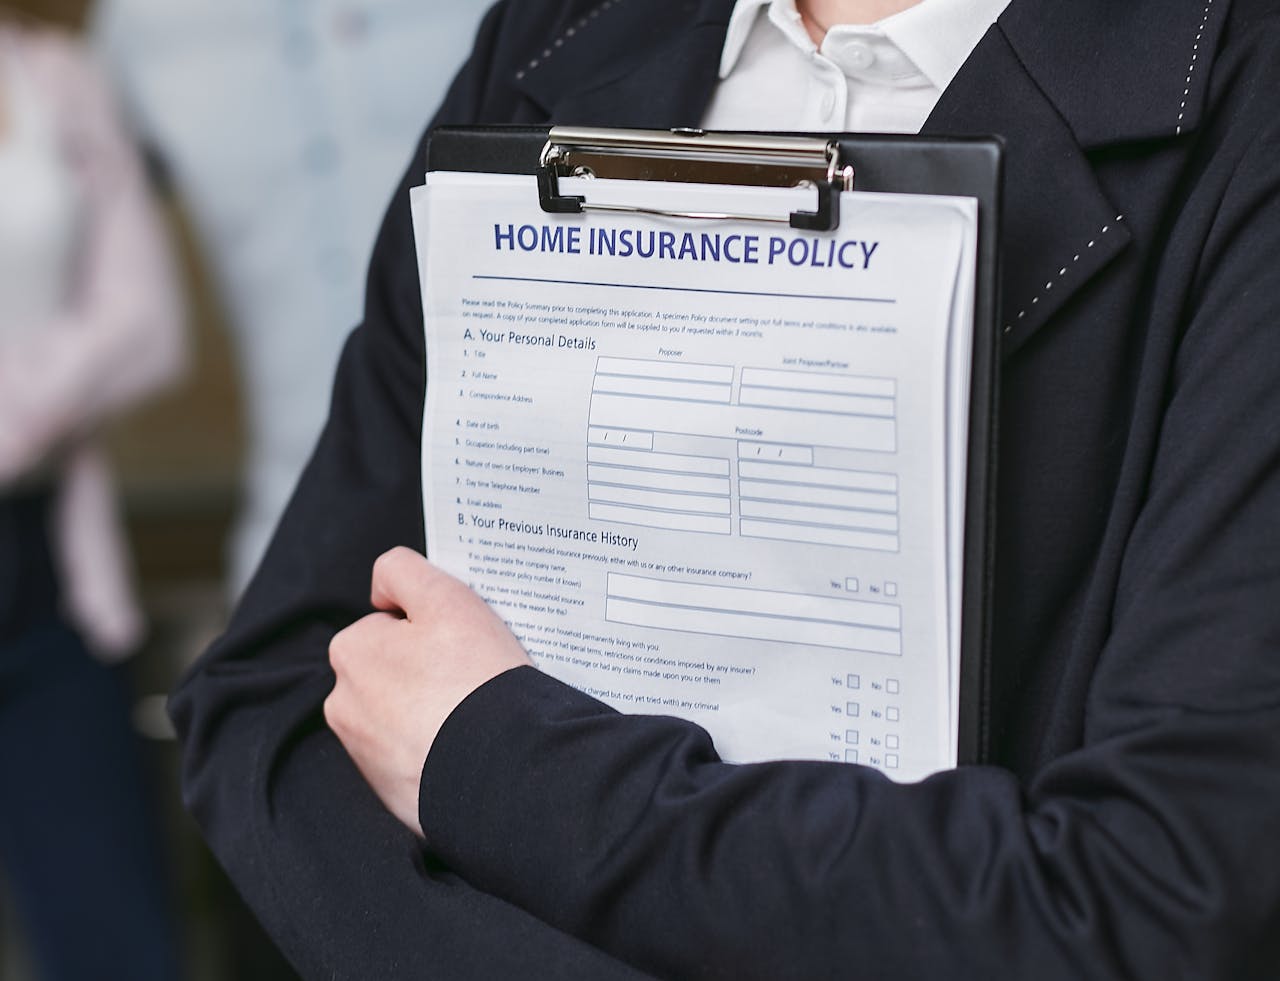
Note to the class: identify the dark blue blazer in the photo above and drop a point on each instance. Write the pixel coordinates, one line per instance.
(1126, 822)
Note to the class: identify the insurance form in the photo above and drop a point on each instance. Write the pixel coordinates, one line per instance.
(709, 468)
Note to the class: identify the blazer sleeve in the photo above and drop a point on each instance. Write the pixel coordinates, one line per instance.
(120, 336)
(1152, 851)
(343, 887)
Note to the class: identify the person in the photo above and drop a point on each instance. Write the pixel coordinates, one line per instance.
(1123, 821)
(282, 126)
(90, 323)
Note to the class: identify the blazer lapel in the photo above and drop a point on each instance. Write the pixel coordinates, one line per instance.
(1058, 81)
(619, 65)
(633, 63)
(1118, 72)
(1059, 230)
(630, 63)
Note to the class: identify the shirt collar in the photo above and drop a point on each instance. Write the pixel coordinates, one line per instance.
(743, 19)
(936, 35)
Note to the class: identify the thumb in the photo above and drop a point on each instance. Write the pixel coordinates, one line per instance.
(403, 582)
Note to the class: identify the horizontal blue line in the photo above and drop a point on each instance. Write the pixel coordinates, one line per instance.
(686, 289)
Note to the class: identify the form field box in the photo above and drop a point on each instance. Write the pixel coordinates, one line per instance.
(675, 462)
(851, 756)
(793, 618)
(816, 381)
(832, 497)
(672, 371)
(826, 517)
(861, 480)
(752, 627)
(720, 420)
(659, 500)
(765, 602)
(670, 520)
(657, 480)
(844, 405)
(776, 452)
(661, 388)
(876, 541)
(629, 439)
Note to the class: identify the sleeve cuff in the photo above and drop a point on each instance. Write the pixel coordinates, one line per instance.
(491, 748)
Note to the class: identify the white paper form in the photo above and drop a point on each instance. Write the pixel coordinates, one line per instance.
(701, 467)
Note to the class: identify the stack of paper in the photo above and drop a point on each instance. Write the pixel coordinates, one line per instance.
(710, 468)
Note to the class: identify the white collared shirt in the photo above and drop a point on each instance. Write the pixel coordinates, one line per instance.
(884, 77)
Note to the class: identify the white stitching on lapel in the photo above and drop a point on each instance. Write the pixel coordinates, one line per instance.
(1195, 55)
(1061, 272)
(582, 22)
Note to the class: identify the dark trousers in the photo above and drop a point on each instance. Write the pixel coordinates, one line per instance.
(79, 844)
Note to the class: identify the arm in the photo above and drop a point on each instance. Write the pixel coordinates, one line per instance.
(1152, 851)
(344, 888)
(120, 336)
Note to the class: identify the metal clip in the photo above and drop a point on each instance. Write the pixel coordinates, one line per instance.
(695, 156)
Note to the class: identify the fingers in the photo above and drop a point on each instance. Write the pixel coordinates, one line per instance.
(402, 580)
(405, 582)
(369, 633)
(347, 649)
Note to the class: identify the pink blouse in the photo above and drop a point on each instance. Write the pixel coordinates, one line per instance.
(117, 337)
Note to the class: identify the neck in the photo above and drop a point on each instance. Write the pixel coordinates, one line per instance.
(819, 15)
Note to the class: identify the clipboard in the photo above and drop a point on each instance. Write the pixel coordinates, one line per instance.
(829, 164)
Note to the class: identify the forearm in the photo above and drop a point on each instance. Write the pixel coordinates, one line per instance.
(342, 887)
(628, 832)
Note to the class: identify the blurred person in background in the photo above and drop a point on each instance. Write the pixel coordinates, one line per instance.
(89, 324)
(282, 125)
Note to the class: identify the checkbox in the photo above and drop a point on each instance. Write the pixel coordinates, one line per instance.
(851, 710)
(891, 686)
(891, 742)
(851, 737)
(851, 585)
(891, 761)
(891, 589)
(851, 756)
(855, 682)
(891, 714)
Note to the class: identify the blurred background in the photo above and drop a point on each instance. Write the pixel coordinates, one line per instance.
(265, 138)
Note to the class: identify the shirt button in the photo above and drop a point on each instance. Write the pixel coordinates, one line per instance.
(858, 56)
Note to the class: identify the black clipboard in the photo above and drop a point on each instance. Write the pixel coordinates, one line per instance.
(961, 166)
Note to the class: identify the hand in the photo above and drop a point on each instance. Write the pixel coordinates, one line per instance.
(401, 672)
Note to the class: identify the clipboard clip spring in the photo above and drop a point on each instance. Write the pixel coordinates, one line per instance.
(695, 156)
